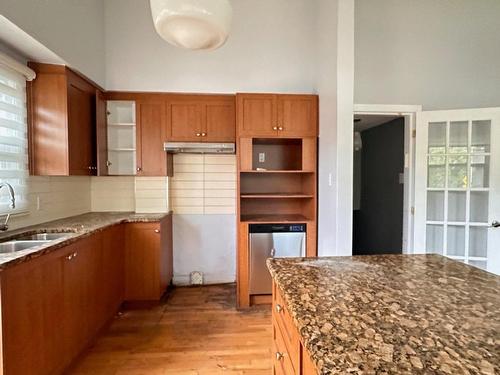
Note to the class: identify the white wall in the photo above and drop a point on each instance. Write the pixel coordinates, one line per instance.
(334, 82)
(73, 29)
(326, 87)
(270, 48)
(441, 54)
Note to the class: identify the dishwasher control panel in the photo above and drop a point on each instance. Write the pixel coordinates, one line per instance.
(277, 228)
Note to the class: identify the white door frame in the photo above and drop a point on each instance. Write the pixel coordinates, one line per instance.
(409, 113)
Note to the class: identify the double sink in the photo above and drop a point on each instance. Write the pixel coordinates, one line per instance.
(25, 241)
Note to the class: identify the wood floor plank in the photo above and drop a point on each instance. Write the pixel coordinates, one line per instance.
(196, 331)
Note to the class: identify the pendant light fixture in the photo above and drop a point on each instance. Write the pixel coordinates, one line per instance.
(192, 24)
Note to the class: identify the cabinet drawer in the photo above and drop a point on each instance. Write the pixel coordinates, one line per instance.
(282, 363)
(284, 321)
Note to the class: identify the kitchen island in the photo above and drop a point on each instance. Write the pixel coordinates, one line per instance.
(391, 314)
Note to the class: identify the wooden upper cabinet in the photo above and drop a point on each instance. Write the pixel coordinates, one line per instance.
(277, 115)
(220, 121)
(297, 115)
(151, 133)
(62, 122)
(256, 115)
(184, 120)
(200, 118)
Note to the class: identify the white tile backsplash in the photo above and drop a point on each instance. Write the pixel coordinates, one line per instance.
(204, 184)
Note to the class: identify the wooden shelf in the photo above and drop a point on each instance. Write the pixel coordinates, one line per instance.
(276, 195)
(271, 218)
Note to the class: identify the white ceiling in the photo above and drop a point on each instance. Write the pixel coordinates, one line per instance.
(370, 121)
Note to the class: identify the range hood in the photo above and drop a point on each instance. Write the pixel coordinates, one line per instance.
(199, 148)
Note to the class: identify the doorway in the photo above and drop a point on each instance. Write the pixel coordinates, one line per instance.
(378, 184)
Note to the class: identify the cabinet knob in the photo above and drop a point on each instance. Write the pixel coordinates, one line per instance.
(157, 231)
(279, 308)
(90, 168)
(203, 134)
(75, 254)
(279, 356)
(139, 169)
(108, 163)
(280, 128)
(198, 134)
(69, 257)
(275, 128)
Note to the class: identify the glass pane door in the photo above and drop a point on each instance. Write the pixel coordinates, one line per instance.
(459, 193)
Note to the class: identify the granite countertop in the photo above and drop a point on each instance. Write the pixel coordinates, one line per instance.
(80, 226)
(393, 314)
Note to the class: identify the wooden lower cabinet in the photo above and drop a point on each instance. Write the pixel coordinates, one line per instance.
(53, 306)
(148, 260)
(289, 355)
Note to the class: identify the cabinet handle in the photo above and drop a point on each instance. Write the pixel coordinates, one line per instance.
(139, 169)
(275, 128)
(279, 356)
(157, 231)
(279, 308)
(108, 163)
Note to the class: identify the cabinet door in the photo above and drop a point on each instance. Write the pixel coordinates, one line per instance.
(184, 120)
(220, 121)
(297, 115)
(81, 132)
(256, 115)
(31, 317)
(75, 322)
(113, 269)
(142, 258)
(151, 133)
(101, 134)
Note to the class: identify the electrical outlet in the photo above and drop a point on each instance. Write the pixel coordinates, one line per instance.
(262, 157)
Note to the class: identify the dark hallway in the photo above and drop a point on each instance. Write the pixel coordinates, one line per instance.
(378, 213)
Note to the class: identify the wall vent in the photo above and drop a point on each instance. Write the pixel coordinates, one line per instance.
(196, 278)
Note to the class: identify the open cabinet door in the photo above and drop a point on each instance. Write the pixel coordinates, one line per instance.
(457, 185)
(101, 134)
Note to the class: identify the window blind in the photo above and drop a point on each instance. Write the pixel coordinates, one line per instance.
(13, 139)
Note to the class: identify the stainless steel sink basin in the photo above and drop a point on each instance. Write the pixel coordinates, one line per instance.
(14, 246)
(42, 236)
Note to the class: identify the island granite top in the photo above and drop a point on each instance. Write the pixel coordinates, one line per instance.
(393, 314)
(78, 227)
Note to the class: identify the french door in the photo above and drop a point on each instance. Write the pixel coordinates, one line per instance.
(457, 186)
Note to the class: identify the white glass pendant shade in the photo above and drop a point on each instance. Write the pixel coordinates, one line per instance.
(192, 24)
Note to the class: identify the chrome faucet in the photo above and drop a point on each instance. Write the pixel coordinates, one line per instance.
(4, 226)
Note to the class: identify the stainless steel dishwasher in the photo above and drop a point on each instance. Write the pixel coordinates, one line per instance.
(272, 241)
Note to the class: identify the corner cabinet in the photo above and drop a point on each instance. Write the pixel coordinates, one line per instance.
(54, 305)
(277, 115)
(62, 122)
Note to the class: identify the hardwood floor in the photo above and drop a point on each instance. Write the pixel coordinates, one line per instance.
(197, 330)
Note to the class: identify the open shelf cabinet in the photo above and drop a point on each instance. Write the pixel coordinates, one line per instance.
(277, 183)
